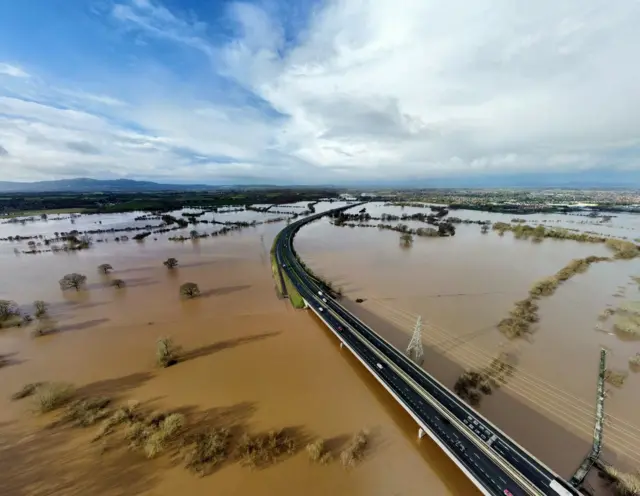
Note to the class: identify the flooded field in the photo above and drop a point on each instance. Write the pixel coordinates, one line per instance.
(251, 362)
(463, 286)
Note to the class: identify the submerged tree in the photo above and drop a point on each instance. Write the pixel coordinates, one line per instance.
(72, 281)
(170, 263)
(190, 290)
(406, 240)
(105, 268)
(118, 283)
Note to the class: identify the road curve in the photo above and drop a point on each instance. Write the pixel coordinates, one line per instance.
(495, 463)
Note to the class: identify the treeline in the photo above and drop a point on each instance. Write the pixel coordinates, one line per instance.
(444, 229)
(157, 201)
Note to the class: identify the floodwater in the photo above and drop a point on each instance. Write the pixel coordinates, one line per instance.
(464, 285)
(252, 361)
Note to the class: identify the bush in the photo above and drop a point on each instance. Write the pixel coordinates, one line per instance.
(264, 449)
(206, 450)
(615, 377)
(118, 283)
(623, 249)
(27, 390)
(354, 452)
(635, 360)
(40, 308)
(624, 484)
(170, 263)
(72, 281)
(190, 290)
(544, 287)
(51, 396)
(8, 310)
(318, 452)
(166, 352)
(86, 412)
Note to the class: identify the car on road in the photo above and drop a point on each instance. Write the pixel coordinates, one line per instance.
(379, 365)
(321, 309)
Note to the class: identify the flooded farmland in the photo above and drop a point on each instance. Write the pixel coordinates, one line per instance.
(251, 363)
(463, 286)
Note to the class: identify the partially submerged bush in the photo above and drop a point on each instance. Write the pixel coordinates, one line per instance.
(170, 263)
(634, 361)
(623, 249)
(625, 484)
(264, 449)
(160, 434)
(9, 314)
(354, 452)
(27, 390)
(206, 450)
(50, 396)
(118, 283)
(615, 377)
(544, 287)
(318, 452)
(41, 308)
(189, 289)
(88, 411)
(167, 353)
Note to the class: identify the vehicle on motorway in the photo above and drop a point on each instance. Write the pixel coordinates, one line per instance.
(324, 299)
(321, 309)
(320, 293)
(379, 365)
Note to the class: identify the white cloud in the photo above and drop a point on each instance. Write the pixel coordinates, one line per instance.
(371, 88)
(12, 70)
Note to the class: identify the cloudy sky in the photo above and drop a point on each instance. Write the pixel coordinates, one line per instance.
(214, 91)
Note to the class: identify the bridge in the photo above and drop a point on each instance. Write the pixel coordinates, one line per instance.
(487, 456)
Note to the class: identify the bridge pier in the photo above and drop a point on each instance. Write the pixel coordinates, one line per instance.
(421, 433)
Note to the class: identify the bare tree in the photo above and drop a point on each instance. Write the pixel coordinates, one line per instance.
(105, 268)
(170, 263)
(72, 281)
(484, 229)
(41, 308)
(190, 290)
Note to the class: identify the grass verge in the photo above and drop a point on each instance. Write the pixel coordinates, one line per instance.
(294, 296)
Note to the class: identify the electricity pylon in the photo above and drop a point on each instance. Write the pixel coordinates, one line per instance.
(414, 350)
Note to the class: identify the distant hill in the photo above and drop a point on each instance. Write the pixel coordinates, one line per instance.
(86, 185)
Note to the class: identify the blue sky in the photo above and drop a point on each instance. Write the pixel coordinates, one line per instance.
(317, 91)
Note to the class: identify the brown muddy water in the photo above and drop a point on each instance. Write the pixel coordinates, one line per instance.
(253, 360)
(462, 287)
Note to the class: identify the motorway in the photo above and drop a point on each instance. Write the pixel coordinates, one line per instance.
(496, 464)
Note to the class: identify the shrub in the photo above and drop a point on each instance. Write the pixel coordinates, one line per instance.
(118, 283)
(105, 268)
(623, 249)
(86, 412)
(41, 308)
(8, 310)
(544, 287)
(51, 396)
(354, 452)
(164, 432)
(206, 450)
(189, 289)
(170, 263)
(72, 281)
(45, 326)
(27, 390)
(318, 452)
(264, 449)
(615, 377)
(166, 352)
(625, 484)
(635, 360)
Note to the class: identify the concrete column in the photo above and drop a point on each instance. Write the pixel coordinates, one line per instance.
(421, 433)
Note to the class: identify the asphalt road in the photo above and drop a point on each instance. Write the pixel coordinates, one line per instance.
(498, 465)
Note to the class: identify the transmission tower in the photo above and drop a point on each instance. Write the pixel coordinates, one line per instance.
(414, 350)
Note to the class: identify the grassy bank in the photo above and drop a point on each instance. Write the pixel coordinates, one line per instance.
(294, 296)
